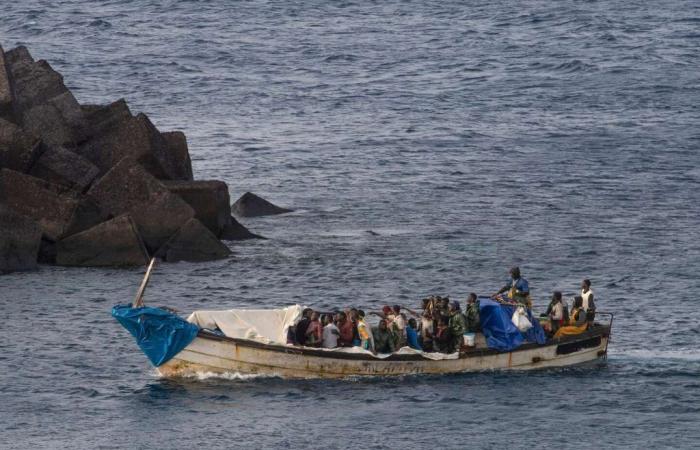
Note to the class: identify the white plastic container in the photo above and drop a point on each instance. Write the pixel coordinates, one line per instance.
(469, 339)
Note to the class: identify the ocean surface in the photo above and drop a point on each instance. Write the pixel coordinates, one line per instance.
(426, 148)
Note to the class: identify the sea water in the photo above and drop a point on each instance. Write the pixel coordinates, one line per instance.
(426, 147)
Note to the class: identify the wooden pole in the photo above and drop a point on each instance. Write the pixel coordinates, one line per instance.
(138, 301)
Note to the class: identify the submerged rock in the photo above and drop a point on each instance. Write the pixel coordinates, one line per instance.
(20, 238)
(234, 231)
(128, 189)
(250, 205)
(112, 243)
(193, 242)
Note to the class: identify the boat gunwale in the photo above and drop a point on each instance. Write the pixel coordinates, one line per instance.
(599, 330)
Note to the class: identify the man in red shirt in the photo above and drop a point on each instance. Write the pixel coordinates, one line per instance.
(346, 328)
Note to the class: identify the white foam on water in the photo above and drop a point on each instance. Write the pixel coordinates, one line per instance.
(678, 354)
(230, 376)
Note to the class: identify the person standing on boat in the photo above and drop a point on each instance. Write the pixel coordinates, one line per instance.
(517, 287)
(588, 303)
(556, 312)
(457, 326)
(347, 330)
(330, 332)
(314, 332)
(472, 314)
(302, 326)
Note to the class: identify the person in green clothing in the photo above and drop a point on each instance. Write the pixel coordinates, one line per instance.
(383, 339)
(457, 326)
(472, 314)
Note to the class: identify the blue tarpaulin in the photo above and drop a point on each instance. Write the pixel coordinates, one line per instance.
(160, 334)
(499, 330)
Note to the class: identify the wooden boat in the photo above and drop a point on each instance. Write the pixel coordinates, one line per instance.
(211, 353)
(205, 351)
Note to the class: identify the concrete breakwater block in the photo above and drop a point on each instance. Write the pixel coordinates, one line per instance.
(61, 166)
(208, 198)
(250, 205)
(112, 243)
(193, 242)
(129, 189)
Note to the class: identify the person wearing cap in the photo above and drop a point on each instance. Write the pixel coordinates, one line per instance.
(457, 326)
(517, 287)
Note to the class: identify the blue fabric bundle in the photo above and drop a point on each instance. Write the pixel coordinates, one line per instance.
(499, 330)
(160, 334)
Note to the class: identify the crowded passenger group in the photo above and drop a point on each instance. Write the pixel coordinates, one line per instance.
(439, 325)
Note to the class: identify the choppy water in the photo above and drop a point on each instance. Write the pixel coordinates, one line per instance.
(561, 136)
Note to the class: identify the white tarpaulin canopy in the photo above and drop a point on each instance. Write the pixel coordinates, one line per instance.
(262, 325)
(270, 326)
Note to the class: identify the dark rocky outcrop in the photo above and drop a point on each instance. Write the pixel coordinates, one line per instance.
(95, 184)
(250, 205)
(193, 242)
(208, 198)
(112, 243)
(20, 238)
(129, 189)
(61, 166)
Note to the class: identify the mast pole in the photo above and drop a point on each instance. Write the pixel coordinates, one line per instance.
(138, 301)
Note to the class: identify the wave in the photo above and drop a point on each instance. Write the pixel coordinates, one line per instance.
(680, 354)
(228, 376)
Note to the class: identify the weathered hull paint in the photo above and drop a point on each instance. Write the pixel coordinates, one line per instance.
(205, 355)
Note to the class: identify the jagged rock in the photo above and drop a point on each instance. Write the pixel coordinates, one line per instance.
(234, 231)
(101, 118)
(20, 238)
(40, 200)
(180, 155)
(250, 205)
(208, 198)
(112, 243)
(18, 150)
(46, 108)
(193, 242)
(58, 121)
(128, 189)
(136, 138)
(87, 214)
(61, 166)
(6, 107)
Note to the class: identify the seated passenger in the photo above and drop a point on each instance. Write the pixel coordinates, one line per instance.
(352, 316)
(346, 329)
(383, 338)
(472, 314)
(442, 339)
(330, 332)
(412, 335)
(302, 326)
(517, 288)
(577, 320)
(314, 332)
(555, 311)
(364, 332)
(578, 314)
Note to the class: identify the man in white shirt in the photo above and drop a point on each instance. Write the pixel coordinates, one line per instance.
(330, 332)
(588, 303)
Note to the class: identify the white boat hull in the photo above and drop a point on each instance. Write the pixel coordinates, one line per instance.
(207, 354)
